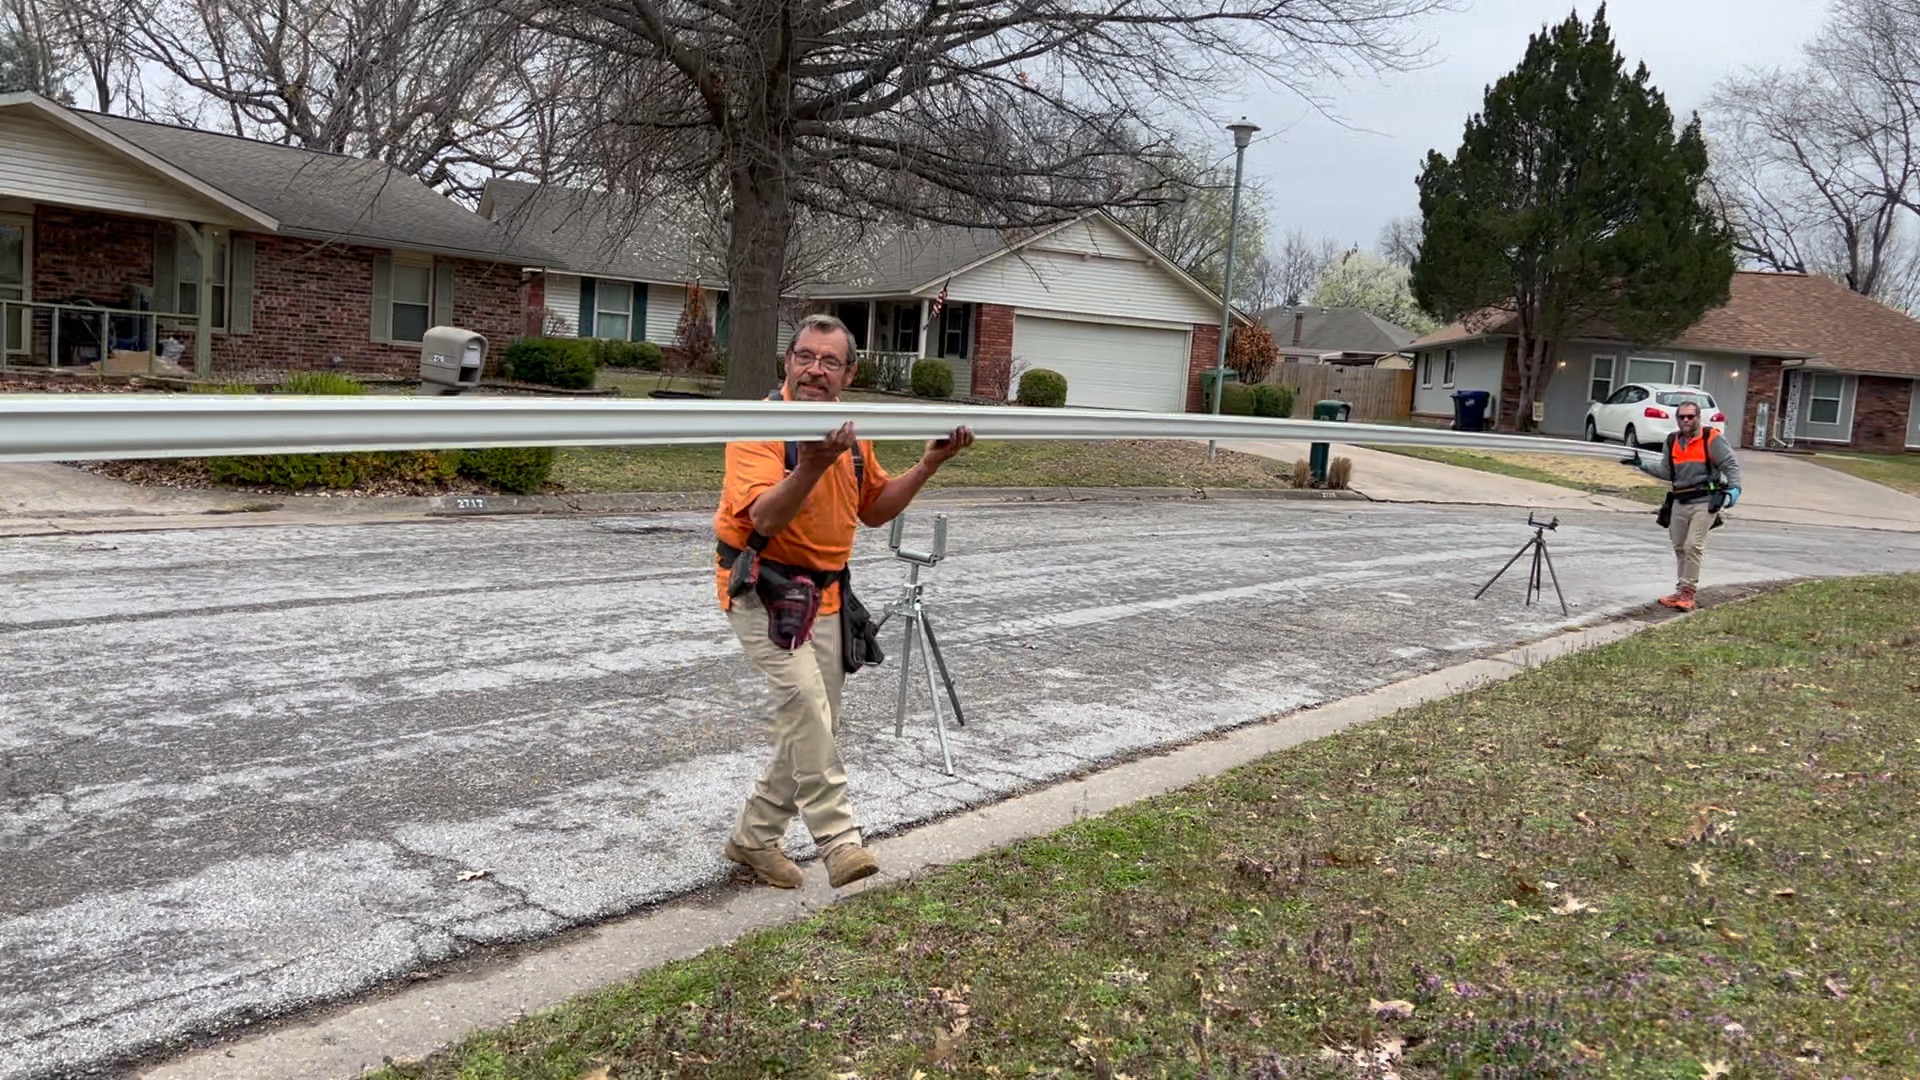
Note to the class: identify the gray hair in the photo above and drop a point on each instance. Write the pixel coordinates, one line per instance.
(823, 322)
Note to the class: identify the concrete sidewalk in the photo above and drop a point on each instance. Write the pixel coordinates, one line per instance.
(1385, 477)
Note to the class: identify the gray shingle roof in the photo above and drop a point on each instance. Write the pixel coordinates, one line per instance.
(601, 235)
(1331, 329)
(326, 195)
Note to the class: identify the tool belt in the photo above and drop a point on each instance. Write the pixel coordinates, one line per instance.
(1716, 499)
(791, 596)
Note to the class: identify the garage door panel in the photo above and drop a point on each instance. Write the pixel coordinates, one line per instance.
(1106, 366)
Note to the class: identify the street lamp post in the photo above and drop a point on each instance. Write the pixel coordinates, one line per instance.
(1242, 135)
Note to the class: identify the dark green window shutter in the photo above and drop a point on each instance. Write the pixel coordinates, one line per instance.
(240, 300)
(381, 330)
(637, 326)
(722, 318)
(442, 293)
(586, 307)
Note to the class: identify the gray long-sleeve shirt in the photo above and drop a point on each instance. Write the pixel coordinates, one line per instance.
(1720, 463)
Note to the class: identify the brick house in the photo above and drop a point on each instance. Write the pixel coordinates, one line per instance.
(1088, 298)
(122, 240)
(1792, 359)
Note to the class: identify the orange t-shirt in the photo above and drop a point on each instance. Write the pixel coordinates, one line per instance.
(820, 537)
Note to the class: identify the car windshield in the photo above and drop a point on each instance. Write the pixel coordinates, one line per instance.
(1677, 398)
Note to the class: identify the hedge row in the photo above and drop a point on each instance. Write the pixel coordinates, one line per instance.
(572, 363)
(1257, 399)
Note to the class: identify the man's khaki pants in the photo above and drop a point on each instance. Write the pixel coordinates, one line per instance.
(1688, 527)
(805, 776)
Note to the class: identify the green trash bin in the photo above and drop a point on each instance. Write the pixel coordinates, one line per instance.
(1207, 378)
(1333, 410)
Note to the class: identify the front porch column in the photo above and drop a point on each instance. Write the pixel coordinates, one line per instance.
(873, 323)
(926, 325)
(203, 246)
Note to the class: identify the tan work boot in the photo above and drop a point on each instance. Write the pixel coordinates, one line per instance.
(849, 863)
(770, 865)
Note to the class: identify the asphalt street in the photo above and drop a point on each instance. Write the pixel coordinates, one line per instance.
(247, 770)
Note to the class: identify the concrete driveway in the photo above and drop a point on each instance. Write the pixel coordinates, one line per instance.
(243, 771)
(1386, 477)
(1790, 488)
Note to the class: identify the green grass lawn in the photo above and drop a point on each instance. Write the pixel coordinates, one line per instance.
(1900, 472)
(1692, 853)
(985, 464)
(1569, 471)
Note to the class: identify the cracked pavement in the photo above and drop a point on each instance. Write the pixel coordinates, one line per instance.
(244, 771)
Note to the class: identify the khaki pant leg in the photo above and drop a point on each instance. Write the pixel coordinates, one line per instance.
(1691, 523)
(805, 775)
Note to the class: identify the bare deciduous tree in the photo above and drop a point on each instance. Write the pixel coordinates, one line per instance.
(451, 91)
(30, 58)
(1818, 168)
(1300, 263)
(1399, 241)
(988, 112)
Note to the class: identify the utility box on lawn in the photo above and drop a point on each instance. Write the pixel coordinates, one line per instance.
(1332, 410)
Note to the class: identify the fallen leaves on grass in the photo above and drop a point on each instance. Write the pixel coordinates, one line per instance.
(1572, 906)
(1714, 1070)
(1837, 987)
(1396, 1009)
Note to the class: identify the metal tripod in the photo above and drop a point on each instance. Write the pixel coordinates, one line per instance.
(909, 607)
(1538, 545)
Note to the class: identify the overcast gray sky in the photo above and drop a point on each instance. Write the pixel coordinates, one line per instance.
(1343, 183)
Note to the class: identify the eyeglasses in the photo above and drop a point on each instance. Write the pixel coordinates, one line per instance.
(826, 362)
(1687, 416)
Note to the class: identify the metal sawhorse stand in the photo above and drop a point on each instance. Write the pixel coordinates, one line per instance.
(910, 607)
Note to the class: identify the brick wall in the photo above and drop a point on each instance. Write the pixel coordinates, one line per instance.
(992, 351)
(82, 256)
(312, 301)
(533, 303)
(313, 308)
(1880, 413)
(1763, 385)
(1203, 355)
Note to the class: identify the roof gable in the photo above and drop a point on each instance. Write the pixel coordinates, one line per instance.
(1331, 329)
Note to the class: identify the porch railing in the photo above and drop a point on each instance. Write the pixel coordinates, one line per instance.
(892, 370)
(43, 336)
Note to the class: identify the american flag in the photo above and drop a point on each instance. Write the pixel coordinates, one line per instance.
(941, 300)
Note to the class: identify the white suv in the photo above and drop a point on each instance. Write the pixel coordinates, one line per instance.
(1641, 414)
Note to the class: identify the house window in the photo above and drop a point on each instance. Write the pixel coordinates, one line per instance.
(1649, 371)
(1696, 373)
(412, 299)
(1449, 371)
(186, 268)
(1600, 378)
(613, 310)
(1426, 371)
(1823, 400)
(956, 331)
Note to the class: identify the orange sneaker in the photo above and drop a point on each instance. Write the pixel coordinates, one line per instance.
(1685, 601)
(1673, 599)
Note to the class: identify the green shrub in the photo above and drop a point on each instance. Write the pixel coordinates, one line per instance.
(932, 379)
(519, 469)
(1042, 388)
(1236, 399)
(866, 374)
(634, 355)
(324, 383)
(568, 363)
(1270, 399)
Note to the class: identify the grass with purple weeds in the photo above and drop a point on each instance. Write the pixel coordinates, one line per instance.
(1691, 853)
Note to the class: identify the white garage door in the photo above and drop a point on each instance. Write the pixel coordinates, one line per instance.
(1107, 367)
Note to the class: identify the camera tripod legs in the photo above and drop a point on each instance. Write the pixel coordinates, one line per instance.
(920, 627)
(1539, 547)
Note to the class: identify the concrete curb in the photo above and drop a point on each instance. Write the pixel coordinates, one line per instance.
(420, 1019)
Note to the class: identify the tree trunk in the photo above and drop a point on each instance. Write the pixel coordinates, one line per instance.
(762, 222)
(1530, 356)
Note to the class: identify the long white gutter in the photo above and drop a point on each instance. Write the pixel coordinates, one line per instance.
(83, 427)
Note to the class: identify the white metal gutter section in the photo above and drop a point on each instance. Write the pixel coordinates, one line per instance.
(87, 427)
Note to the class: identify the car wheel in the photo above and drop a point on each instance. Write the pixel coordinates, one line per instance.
(1593, 433)
(1633, 437)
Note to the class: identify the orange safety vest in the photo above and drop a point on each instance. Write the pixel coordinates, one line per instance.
(1694, 452)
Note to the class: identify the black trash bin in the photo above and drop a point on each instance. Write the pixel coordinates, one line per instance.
(1470, 410)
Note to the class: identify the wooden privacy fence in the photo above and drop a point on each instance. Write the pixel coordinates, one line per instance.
(1377, 396)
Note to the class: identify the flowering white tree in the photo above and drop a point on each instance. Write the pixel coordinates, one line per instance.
(1370, 283)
